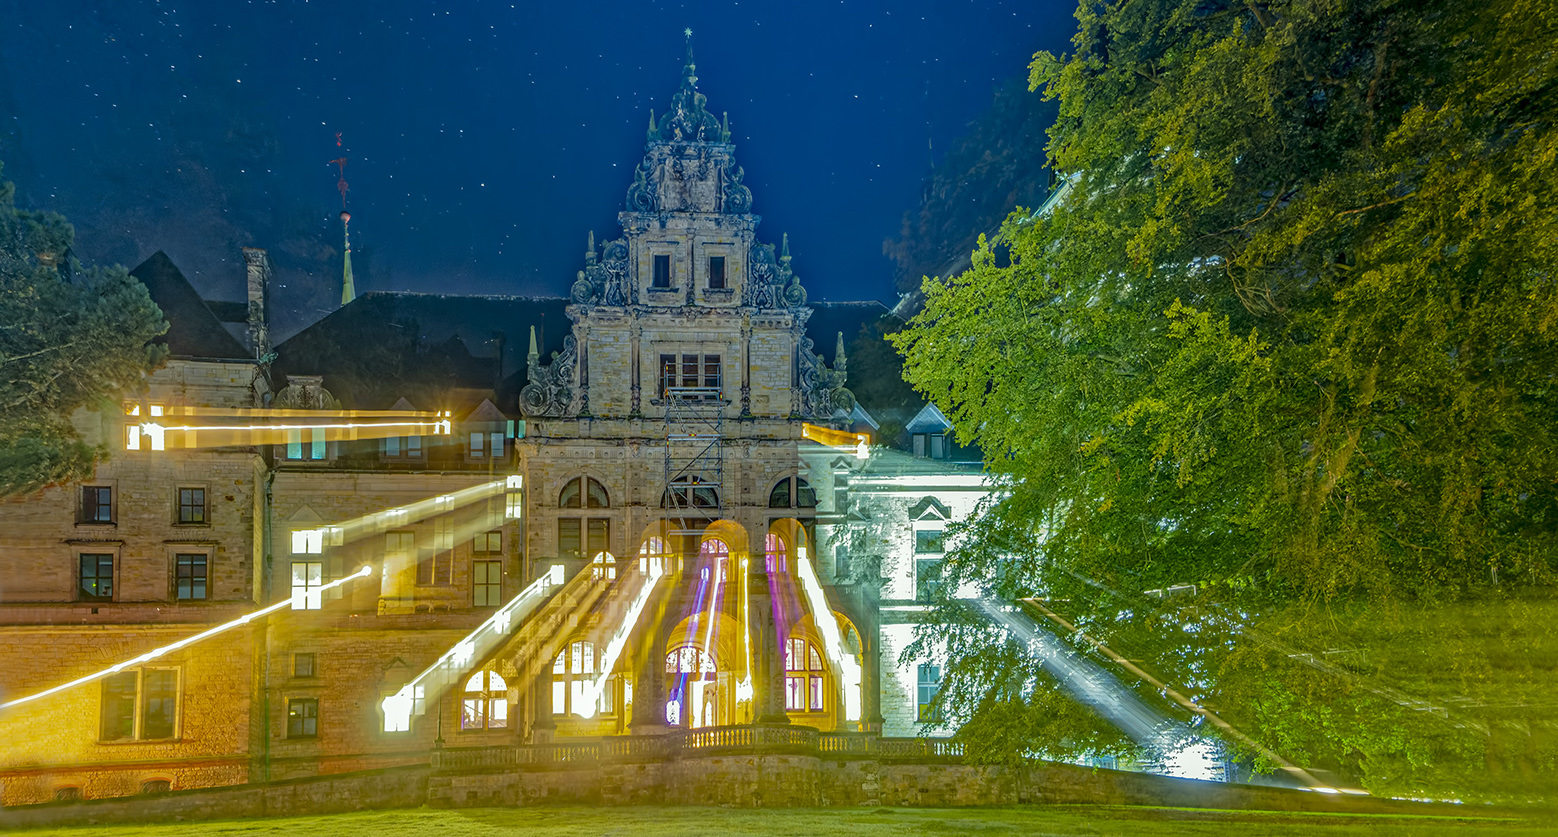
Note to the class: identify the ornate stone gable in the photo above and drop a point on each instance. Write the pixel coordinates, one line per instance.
(688, 279)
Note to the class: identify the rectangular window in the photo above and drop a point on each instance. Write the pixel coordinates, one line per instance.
(568, 537)
(97, 578)
(919, 444)
(690, 370)
(599, 536)
(159, 702)
(929, 683)
(667, 373)
(413, 446)
(190, 574)
(307, 578)
(513, 504)
(119, 706)
(437, 568)
(140, 704)
(938, 446)
(97, 504)
(711, 371)
(929, 541)
(487, 580)
(303, 665)
(192, 505)
(816, 693)
(487, 542)
(303, 718)
(716, 272)
(795, 694)
(927, 578)
(478, 448)
(306, 444)
(662, 275)
(392, 446)
(316, 449)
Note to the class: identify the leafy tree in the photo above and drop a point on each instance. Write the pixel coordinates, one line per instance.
(69, 339)
(1289, 332)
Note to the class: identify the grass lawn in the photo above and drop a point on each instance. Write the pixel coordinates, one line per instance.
(880, 822)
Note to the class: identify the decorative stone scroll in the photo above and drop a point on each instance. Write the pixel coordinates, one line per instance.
(549, 392)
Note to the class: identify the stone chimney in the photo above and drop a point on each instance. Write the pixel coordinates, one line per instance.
(258, 262)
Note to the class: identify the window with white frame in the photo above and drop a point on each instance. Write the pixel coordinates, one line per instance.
(574, 669)
(308, 568)
(484, 705)
(305, 444)
(804, 689)
(927, 684)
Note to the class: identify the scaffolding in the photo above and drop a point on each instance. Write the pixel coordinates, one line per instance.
(694, 493)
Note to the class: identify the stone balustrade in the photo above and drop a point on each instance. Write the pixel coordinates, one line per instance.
(745, 739)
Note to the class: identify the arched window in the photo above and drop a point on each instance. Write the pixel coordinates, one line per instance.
(775, 560)
(714, 556)
(804, 690)
(485, 704)
(652, 556)
(576, 666)
(792, 493)
(690, 492)
(698, 673)
(583, 493)
(604, 566)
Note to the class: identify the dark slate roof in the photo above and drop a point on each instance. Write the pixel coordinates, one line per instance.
(193, 331)
(383, 346)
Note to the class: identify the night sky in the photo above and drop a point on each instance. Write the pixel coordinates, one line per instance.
(485, 139)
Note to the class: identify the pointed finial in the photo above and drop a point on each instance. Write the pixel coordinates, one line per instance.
(589, 249)
(535, 353)
(839, 360)
(654, 131)
(724, 128)
(784, 252)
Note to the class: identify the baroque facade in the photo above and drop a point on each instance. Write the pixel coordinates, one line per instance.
(653, 509)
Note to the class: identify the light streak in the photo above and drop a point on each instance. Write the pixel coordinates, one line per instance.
(381, 521)
(398, 708)
(167, 649)
(619, 640)
(836, 438)
(827, 624)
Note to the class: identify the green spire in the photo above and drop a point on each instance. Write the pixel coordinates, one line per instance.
(348, 289)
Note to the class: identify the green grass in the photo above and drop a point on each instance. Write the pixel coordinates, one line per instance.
(878, 822)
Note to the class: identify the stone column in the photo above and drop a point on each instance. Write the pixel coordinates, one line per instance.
(746, 365)
(767, 651)
(869, 594)
(648, 716)
(636, 371)
(584, 368)
(543, 727)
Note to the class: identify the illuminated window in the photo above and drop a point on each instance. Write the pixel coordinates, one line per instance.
(305, 443)
(662, 274)
(303, 718)
(308, 541)
(307, 579)
(96, 580)
(928, 683)
(714, 554)
(192, 505)
(792, 492)
(574, 669)
(487, 583)
(804, 686)
(140, 705)
(652, 556)
(485, 702)
(716, 272)
(513, 504)
(774, 557)
(603, 565)
(303, 665)
(190, 574)
(97, 504)
(692, 675)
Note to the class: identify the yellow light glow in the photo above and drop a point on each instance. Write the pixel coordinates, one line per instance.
(827, 624)
(167, 649)
(835, 438)
(619, 640)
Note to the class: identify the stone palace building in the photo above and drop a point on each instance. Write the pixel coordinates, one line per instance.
(649, 509)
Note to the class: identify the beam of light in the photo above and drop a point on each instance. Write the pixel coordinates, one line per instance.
(859, 443)
(1181, 755)
(717, 570)
(282, 412)
(743, 606)
(827, 624)
(168, 649)
(426, 687)
(157, 435)
(619, 639)
(378, 522)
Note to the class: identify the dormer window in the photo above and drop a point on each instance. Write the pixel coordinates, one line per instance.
(716, 273)
(662, 275)
(933, 445)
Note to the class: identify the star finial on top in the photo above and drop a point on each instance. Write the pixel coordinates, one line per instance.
(688, 32)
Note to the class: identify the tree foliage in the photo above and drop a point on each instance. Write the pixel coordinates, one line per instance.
(1289, 333)
(69, 339)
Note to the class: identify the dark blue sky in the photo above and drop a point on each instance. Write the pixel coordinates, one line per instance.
(485, 138)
